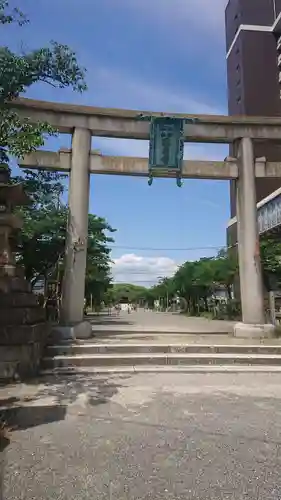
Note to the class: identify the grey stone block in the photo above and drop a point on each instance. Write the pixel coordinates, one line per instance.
(69, 333)
(62, 334)
(243, 330)
(22, 315)
(23, 334)
(83, 330)
(18, 299)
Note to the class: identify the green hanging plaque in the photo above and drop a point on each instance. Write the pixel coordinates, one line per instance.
(166, 147)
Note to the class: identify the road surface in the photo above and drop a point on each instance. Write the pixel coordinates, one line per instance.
(148, 321)
(142, 437)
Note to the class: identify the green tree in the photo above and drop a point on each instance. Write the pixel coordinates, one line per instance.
(98, 272)
(196, 281)
(193, 282)
(55, 65)
(226, 269)
(164, 291)
(41, 243)
(128, 291)
(270, 248)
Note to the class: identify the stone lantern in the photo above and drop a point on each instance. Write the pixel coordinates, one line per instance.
(23, 329)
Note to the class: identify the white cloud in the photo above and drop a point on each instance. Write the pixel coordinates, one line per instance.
(121, 89)
(207, 15)
(116, 89)
(130, 147)
(144, 271)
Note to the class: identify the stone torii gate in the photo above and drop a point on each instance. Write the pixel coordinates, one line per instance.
(83, 122)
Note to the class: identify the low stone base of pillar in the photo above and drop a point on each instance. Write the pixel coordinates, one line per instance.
(248, 331)
(83, 330)
(70, 333)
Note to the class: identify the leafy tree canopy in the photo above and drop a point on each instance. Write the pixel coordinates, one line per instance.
(270, 248)
(198, 279)
(41, 243)
(55, 65)
(121, 291)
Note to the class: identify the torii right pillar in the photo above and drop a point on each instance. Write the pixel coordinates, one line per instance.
(251, 285)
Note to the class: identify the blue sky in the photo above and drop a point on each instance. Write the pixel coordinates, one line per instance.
(159, 55)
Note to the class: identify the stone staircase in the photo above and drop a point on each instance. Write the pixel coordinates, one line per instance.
(123, 357)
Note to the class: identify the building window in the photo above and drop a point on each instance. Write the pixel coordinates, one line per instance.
(238, 83)
(236, 23)
(238, 68)
(238, 100)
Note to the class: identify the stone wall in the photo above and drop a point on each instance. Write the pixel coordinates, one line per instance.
(23, 331)
(21, 349)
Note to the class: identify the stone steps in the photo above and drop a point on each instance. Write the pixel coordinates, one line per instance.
(145, 331)
(163, 369)
(127, 348)
(98, 358)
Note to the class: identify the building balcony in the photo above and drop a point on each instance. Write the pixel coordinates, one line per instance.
(268, 213)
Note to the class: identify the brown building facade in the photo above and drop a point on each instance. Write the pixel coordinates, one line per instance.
(252, 31)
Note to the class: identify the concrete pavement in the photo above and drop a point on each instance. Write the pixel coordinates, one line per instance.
(152, 322)
(159, 328)
(144, 437)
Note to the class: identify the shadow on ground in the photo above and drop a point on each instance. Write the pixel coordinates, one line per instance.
(67, 389)
(24, 417)
(107, 336)
(107, 321)
(55, 393)
(48, 403)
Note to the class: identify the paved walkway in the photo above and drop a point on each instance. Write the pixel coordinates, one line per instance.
(147, 321)
(160, 437)
(166, 328)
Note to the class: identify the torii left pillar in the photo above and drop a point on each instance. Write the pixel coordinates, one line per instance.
(73, 324)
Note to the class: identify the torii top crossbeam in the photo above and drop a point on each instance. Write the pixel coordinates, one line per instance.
(120, 123)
